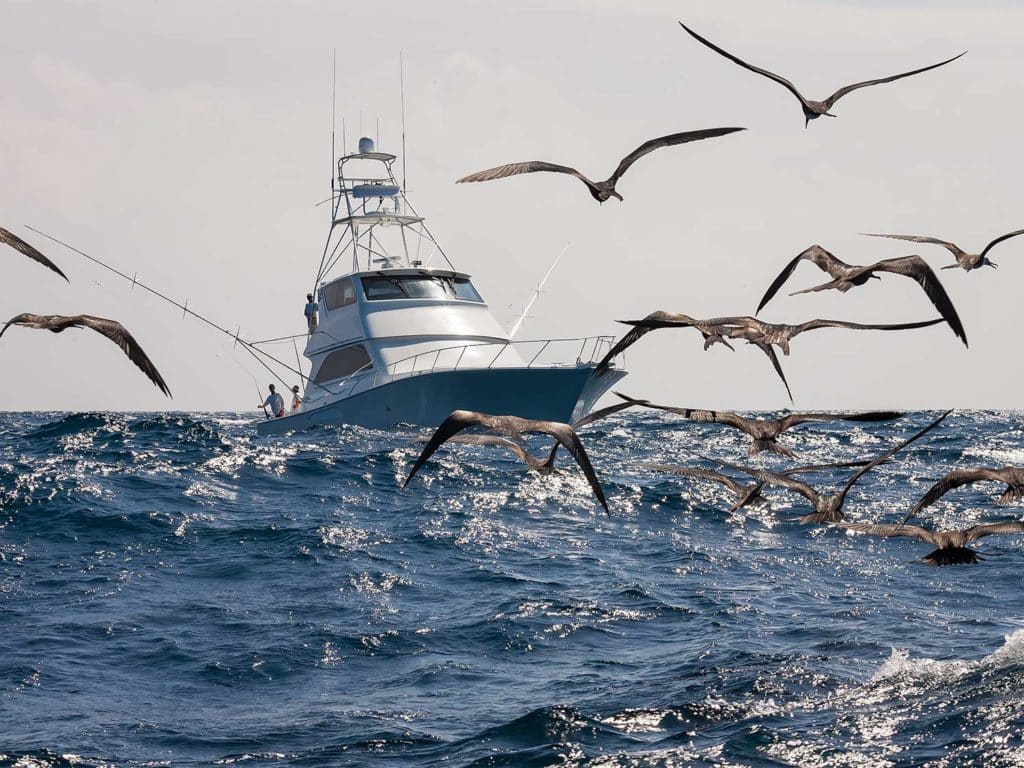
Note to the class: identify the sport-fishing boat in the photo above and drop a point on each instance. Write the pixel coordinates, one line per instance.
(403, 338)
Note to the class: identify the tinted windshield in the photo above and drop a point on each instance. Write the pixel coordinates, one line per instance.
(380, 287)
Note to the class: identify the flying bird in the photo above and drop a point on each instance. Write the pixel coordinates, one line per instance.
(950, 546)
(747, 495)
(542, 466)
(765, 432)
(812, 109)
(764, 336)
(11, 239)
(828, 508)
(964, 260)
(599, 190)
(1012, 476)
(846, 276)
(513, 427)
(112, 329)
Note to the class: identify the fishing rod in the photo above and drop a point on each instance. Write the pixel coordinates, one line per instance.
(259, 393)
(246, 345)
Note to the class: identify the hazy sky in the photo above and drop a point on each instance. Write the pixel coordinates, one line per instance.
(188, 142)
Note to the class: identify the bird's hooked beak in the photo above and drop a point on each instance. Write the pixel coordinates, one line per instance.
(874, 277)
(616, 195)
(989, 263)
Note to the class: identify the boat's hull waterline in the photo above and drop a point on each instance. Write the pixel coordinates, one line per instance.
(556, 394)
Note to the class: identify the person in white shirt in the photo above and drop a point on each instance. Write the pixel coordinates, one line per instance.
(275, 402)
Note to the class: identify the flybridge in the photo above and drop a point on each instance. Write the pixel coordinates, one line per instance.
(366, 200)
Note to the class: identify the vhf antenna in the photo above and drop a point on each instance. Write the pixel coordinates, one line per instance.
(401, 86)
(334, 118)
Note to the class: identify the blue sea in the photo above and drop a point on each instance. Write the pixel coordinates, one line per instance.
(176, 591)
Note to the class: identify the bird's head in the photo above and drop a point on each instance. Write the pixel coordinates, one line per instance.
(987, 262)
(616, 195)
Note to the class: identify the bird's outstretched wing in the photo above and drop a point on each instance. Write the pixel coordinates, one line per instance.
(112, 329)
(531, 166)
(848, 88)
(812, 325)
(796, 419)
(11, 239)
(602, 413)
(917, 269)
(700, 474)
(566, 435)
(951, 481)
(890, 453)
(819, 467)
(951, 247)
(992, 529)
(651, 322)
(737, 60)
(503, 442)
(451, 426)
(667, 141)
(780, 479)
(590, 418)
(769, 350)
(890, 530)
(713, 417)
(1000, 239)
(818, 256)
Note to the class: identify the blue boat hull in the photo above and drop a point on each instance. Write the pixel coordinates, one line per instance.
(555, 394)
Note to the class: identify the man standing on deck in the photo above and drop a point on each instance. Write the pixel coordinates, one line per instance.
(275, 403)
(296, 399)
(311, 313)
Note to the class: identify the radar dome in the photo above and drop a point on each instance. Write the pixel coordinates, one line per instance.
(365, 145)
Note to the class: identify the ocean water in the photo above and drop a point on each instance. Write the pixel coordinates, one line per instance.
(175, 591)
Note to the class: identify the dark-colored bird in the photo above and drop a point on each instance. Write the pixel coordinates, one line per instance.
(757, 332)
(1012, 476)
(950, 546)
(543, 465)
(513, 427)
(846, 276)
(964, 260)
(765, 432)
(747, 495)
(812, 109)
(112, 329)
(828, 508)
(599, 190)
(11, 239)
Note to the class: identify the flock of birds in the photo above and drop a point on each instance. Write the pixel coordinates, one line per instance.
(508, 430)
(950, 546)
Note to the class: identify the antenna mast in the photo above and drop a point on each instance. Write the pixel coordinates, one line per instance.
(334, 118)
(401, 86)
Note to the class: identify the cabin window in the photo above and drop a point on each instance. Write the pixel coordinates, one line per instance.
(440, 287)
(339, 294)
(342, 362)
